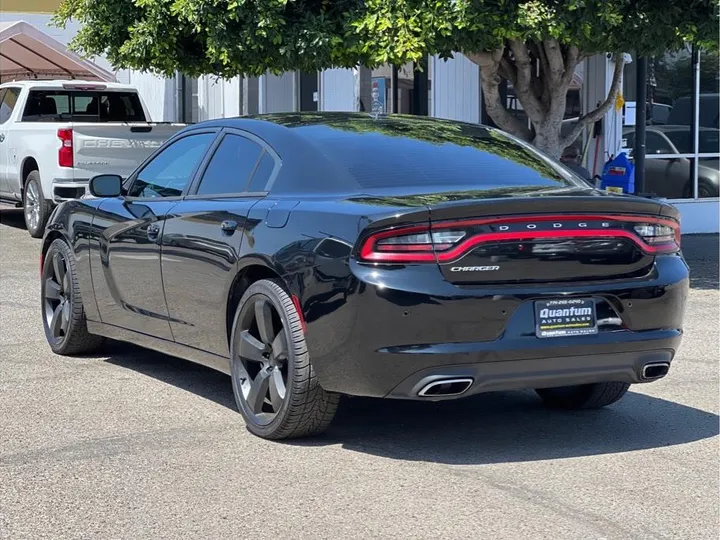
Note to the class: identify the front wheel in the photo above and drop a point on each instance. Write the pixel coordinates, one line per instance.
(35, 208)
(62, 307)
(585, 396)
(273, 380)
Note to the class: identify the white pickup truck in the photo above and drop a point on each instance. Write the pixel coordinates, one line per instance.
(56, 135)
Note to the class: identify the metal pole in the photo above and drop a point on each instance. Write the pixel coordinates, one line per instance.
(695, 122)
(420, 89)
(395, 89)
(640, 128)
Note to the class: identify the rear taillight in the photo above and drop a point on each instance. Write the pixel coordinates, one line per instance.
(65, 154)
(409, 244)
(663, 237)
(448, 241)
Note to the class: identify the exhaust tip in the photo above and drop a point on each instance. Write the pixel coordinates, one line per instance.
(655, 370)
(446, 387)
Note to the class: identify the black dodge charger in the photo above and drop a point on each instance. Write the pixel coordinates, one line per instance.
(314, 255)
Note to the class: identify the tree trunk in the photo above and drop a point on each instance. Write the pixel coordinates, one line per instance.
(542, 97)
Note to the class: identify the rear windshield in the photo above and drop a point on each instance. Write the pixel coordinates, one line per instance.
(709, 141)
(416, 153)
(63, 105)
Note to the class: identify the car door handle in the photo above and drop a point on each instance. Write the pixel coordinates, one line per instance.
(2, 137)
(229, 226)
(153, 231)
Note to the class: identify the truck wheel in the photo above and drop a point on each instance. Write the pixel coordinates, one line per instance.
(62, 306)
(35, 208)
(585, 396)
(273, 379)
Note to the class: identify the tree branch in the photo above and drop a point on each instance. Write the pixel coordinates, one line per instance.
(598, 113)
(555, 61)
(571, 62)
(524, 88)
(489, 63)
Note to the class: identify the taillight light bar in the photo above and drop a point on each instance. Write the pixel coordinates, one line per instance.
(448, 241)
(65, 153)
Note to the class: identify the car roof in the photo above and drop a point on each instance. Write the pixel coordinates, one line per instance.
(61, 83)
(336, 151)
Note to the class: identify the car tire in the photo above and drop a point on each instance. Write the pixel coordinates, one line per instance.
(36, 209)
(273, 379)
(586, 396)
(62, 307)
(705, 190)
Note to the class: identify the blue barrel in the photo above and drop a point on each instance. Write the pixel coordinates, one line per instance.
(618, 175)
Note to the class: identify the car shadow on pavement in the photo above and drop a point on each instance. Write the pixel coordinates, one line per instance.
(12, 217)
(511, 427)
(487, 428)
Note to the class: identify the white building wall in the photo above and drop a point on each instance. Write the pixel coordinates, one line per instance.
(337, 90)
(455, 89)
(218, 98)
(158, 93)
(596, 85)
(277, 93)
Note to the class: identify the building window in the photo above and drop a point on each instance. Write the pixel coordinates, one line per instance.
(683, 147)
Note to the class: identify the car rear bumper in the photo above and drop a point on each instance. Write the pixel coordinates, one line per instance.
(377, 337)
(629, 367)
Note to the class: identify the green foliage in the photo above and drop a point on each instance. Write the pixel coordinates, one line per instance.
(233, 37)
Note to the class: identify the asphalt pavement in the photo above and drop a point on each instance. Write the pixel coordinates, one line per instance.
(135, 445)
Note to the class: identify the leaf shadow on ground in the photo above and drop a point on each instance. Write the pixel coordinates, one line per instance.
(483, 429)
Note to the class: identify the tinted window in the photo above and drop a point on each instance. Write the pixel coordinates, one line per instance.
(262, 175)
(8, 99)
(656, 144)
(170, 171)
(709, 141)
(230, 167)
(434, 154)
(59, 105)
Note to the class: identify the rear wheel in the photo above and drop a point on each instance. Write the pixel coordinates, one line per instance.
(273, 379)
(586, 396)
(35, 208)
(63, 313)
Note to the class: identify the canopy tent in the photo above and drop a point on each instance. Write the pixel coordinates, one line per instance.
(28, 53)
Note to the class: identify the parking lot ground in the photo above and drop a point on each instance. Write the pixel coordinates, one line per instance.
(136, 445)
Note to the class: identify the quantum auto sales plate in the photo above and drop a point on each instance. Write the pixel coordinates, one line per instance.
(565, 317)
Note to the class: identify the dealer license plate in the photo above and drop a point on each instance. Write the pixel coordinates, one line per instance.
(565, 317)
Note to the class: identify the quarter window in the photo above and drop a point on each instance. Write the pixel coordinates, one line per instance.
(262, 174)
(171, 170)
(8, 99)
(230, 168)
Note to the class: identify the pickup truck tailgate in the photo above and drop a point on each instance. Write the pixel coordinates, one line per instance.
(116, 148)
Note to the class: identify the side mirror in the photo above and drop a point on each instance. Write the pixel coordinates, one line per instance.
(106, 185)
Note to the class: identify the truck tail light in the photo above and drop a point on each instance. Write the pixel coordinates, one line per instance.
(65, 154)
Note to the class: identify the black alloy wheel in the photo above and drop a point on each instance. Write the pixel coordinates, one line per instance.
(273, 381)
(63, 314)
(263, 355)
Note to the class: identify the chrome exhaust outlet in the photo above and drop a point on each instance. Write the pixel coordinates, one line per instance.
(446, 387)
(655, 370)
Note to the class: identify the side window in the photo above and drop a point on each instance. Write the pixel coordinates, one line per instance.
(656, 144)
(45, 106)
(230, 167)
(167, 174)
(630, 140)
(8, 99)
(262, 175)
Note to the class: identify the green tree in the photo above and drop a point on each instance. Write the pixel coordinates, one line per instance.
(535, 44)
